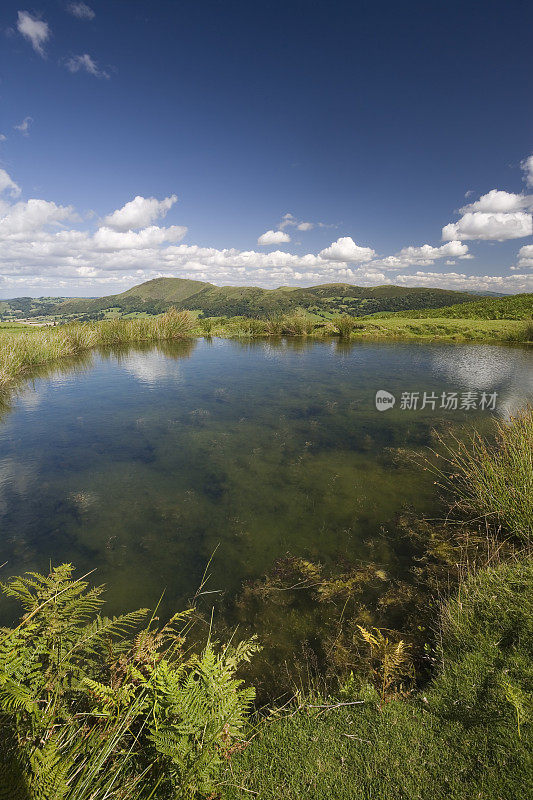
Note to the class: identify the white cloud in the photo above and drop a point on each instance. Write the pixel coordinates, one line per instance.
(107, 239)
(7, 184)
(87, 64)
(525, 256)
(497, 201)
(273, 237)
(139, 213)
(3, 138)
(527, 166)
(81, 10)
(290, 220)
(24, 126)
(41, 252)
(36, 31)
(31, 216)
(427, 253)
(496, 227)
(345, 249)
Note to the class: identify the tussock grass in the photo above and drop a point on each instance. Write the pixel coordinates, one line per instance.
(495, 480)
(20, 354)
(344, 325)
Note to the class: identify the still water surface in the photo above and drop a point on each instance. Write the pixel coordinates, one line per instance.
(143, 463)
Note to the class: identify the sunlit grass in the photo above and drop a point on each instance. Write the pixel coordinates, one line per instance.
(20, 354)
(495, 480)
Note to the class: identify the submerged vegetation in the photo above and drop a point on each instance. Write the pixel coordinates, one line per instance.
(423, 690)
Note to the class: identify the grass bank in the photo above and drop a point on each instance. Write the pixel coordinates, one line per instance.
(23, 348)
(23, 352)
(466, 735)
(370, 328)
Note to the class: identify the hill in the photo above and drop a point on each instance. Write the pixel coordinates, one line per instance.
(517, 306)
(155, 296)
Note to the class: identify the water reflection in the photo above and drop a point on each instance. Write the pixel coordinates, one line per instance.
(505, 370)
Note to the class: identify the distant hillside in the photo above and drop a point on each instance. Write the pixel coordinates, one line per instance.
(517, 306)
(157, 295)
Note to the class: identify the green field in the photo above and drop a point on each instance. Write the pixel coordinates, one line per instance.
(518, 306)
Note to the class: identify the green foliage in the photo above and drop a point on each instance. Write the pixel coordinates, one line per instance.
(89, 709)
(344, 325)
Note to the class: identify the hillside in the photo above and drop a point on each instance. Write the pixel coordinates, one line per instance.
(157, 295)
(518, 306)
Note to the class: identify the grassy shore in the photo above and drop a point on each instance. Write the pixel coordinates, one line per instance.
(22, 348)
(23, 352)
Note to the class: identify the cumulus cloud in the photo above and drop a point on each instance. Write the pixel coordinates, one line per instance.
(345, 249)
(497, 201)
(81, 11)
(44, 251)
(85, 63)
(496, 226)
(24, 126)
(525, 256)
(7, 184)
(139, 213)
(31, 216)
(273, 237)
(110, 240)
(527, 167)
(35, 30)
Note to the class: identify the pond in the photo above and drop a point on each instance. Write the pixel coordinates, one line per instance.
(145, 463)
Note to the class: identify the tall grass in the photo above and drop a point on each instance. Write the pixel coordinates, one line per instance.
(495, 480)
(344, 325)
(19, 354)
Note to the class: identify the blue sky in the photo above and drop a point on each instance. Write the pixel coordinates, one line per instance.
(305, 142)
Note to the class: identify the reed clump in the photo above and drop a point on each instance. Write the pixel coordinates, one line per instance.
(494, 480)
(20, 354)
(344, 325)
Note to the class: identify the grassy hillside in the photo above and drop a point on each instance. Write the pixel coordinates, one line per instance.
(325, 300)
(518, 306)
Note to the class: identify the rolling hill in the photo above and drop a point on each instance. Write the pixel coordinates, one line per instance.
(157, 295)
